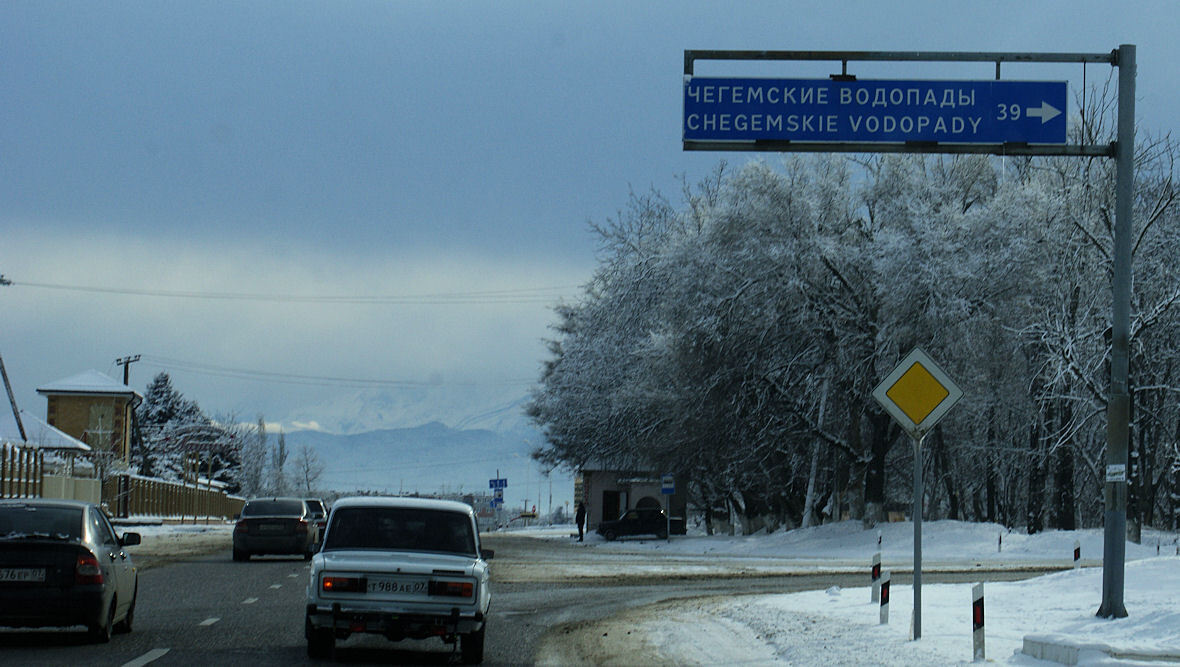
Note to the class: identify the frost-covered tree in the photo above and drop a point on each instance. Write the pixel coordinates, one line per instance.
(736, 339)
(278, 462)
(254, 455)
(163, 417)
(308, 469)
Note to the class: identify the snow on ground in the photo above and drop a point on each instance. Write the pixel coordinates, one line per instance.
(162, 542)
(842, 627)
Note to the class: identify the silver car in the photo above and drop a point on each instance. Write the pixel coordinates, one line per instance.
(62, 564)
(402, 568)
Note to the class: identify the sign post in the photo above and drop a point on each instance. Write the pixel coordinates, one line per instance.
(875, 577)
(917, 394)
(977, 645)
(497, 485)
(667, 488)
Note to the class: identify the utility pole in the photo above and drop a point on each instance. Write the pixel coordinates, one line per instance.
(12, 399)
(136, 444)
(126, 362)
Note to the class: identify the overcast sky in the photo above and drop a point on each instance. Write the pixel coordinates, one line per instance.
(447, 155)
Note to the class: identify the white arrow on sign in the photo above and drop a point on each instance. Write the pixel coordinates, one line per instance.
(1047, 112)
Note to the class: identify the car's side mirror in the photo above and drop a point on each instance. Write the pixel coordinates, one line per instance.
(130, 539)
(487, 554)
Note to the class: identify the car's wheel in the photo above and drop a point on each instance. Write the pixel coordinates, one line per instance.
(320, 641)
(471, 646)
(241, 556)
(100, 632)
(124, 626)
(609, 535)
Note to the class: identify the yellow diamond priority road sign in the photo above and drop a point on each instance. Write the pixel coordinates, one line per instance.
(917, 393)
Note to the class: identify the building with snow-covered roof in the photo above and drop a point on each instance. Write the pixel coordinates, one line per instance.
(93, 408)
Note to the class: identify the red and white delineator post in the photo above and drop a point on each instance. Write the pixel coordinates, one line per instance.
(885, 597)
(875, 577)
(977, 622)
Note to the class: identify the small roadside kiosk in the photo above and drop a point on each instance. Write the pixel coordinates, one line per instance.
(609, 491)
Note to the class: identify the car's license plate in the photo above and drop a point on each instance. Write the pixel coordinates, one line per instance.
(388, 585)
(272, 528)
(22, 574)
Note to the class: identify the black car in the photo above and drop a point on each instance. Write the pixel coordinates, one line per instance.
(62, 564)
(640, 521)
(274, 526)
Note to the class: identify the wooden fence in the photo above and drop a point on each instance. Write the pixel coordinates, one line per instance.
(20, 472)
(131, 495)
(23, 474)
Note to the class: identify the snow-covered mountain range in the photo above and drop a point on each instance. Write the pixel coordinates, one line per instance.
(459, 407)
(427, 440)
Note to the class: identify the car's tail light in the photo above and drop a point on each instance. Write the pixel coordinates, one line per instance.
(87, 570)
(241, 527)
(455, 589)
(301, 526)
(343, 584)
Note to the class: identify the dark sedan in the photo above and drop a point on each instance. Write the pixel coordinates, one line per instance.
(274, 526)
(62, 564)
(640, 521)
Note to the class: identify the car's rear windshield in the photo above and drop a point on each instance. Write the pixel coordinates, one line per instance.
(273, 507)
(30, 521)
(316, 507)
(401, 529)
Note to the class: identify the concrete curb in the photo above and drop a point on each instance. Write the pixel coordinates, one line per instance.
(1067, 651)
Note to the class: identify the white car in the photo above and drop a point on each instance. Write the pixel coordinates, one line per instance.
(402, 568)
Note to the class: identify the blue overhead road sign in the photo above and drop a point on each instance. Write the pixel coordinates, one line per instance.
(874, 111)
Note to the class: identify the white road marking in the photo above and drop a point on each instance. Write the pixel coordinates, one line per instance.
(293, 576)
(154, 654)
(209, 621)
(276, 585)
(249, 600)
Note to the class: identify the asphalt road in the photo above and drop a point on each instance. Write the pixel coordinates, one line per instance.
(209, 610)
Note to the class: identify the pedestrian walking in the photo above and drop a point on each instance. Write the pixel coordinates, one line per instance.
(580, 518)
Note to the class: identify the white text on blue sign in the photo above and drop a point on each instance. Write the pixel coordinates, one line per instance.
(874, 111)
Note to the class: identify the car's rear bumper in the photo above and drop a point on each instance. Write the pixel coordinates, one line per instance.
(394, 623)
(267, 544)
(51, 607)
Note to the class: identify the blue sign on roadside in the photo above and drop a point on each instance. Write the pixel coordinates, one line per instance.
(874, 111)
(501, 483)
(667, 485)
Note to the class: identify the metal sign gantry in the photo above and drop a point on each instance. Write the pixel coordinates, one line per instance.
(830, 129)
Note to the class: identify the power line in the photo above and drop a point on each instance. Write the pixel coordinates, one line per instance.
(167, 363)
(522, 295)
